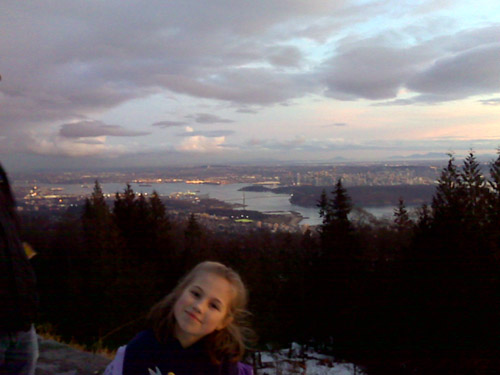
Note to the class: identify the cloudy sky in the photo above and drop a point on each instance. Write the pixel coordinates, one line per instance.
(118, 83)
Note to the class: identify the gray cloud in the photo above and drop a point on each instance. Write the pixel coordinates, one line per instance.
(449, 67)
(475, 71)
(59, 146)
(62, 63)
(469, 39)
(395, 102)
(207, 118)
(338, 124)
(492, 101)
(286, 56)
(90, 141)
(96, 129)
(169, 124)
(247, 110)
(307, 145)
(254, 142)
(207, 133)
(238, 85)
(441, 144)
(370, 71)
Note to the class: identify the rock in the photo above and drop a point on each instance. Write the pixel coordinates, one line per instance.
(61, 359)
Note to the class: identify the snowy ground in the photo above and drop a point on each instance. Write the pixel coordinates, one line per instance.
(304, 362)
(61, 359)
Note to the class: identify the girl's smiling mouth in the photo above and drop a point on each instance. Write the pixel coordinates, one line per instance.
(192, 316)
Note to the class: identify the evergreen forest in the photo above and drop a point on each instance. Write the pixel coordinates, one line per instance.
(418, 296)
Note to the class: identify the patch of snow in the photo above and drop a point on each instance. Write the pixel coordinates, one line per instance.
(296, 360)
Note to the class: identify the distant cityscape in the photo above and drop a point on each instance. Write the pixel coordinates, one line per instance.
(48, 192)
(315, 175)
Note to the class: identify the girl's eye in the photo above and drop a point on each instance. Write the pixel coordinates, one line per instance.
(215, 306)
(195, 293)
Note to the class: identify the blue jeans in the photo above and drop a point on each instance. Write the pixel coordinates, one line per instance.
(18, 352)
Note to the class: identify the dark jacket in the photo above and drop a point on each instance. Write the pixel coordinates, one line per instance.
(144, 352)
(18, 298)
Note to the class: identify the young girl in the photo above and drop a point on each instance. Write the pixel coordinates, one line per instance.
(196, 329)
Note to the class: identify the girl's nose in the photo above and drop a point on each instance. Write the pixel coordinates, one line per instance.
(197, 307)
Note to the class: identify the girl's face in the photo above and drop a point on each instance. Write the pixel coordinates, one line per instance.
(202, 308)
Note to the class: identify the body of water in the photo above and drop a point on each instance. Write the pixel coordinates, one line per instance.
(265, 202)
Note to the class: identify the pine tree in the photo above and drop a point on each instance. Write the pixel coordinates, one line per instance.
(100, 264)
(142, 210)
(97, 223)
(158, 210)
(494, 184)
(336, 267)
(341, 205)
(193, 229)
(160, 228)
(448, 201)
(495, 174)
(424, 218)
(335, 212)
(494, 206)
(125, 201)
(401, 217)
(453, 249)
(96, 208)
(323, 207)
(476, 193)
(124, 211)
(192, 242)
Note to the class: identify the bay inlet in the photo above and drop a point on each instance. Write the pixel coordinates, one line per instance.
(265, 202)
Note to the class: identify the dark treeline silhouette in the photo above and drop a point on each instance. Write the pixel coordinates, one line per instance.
(417, 297)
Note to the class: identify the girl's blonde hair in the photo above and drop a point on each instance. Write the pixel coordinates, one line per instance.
(228, 343)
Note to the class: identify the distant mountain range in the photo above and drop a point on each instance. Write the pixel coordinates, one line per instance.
(429, 155)
(441, 156)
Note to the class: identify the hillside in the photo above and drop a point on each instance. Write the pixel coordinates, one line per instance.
(362, 196)
(61, 359)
